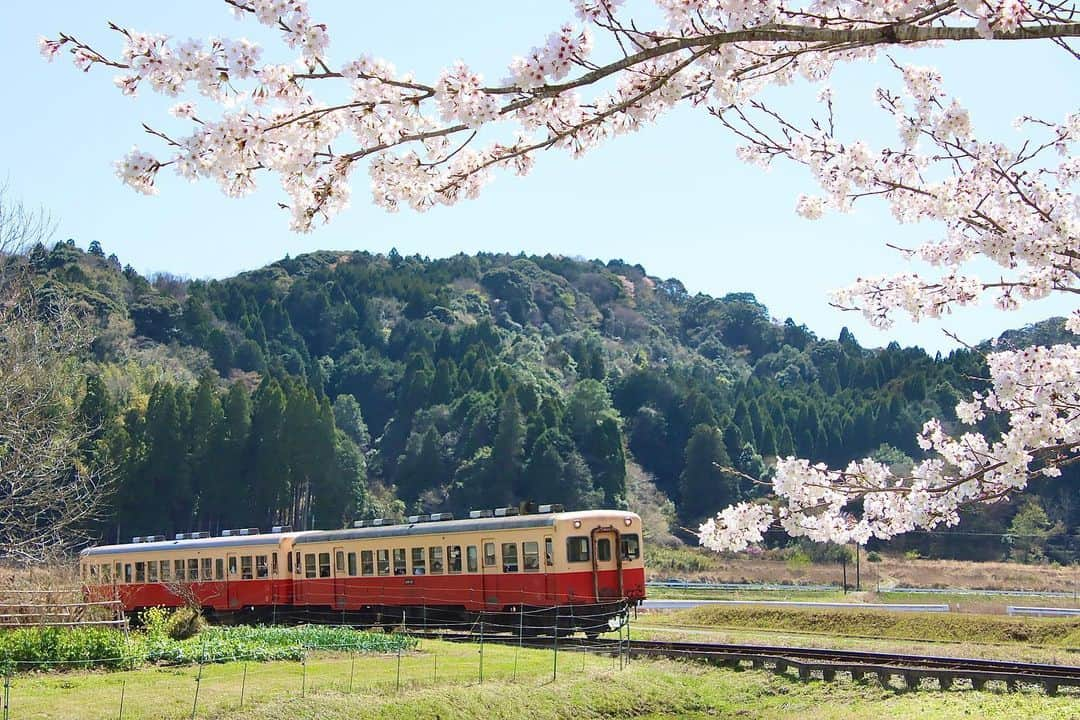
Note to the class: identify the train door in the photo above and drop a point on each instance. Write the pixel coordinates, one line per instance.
(232, 578)
(489, 574)
(606, 565)
(339, 577)
(550, 576)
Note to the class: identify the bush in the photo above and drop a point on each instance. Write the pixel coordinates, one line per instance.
(873, 556)
(51, 648)
(912, 555)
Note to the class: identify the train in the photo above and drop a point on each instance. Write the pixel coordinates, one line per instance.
(539, 569)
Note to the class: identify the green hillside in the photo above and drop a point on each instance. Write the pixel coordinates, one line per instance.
(341, 385)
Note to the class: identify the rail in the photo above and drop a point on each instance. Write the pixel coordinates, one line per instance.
(822, 662)
(1042, 611)
(675, 604)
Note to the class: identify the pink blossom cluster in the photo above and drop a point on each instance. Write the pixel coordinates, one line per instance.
(1037, 388)
(435, 143)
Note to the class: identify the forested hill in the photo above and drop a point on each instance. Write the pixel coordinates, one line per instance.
(339, 385)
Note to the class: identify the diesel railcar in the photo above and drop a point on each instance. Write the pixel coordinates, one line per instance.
(555, 570)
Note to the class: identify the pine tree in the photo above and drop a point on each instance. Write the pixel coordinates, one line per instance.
(704, 486)
(507, 454)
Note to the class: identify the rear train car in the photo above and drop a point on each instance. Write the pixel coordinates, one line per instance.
(242, 572)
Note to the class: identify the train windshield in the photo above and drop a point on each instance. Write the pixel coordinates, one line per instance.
(631, 547)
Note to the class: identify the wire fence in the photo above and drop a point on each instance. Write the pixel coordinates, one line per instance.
(215, 681)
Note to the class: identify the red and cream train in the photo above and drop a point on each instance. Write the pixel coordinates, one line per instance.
(573, 570)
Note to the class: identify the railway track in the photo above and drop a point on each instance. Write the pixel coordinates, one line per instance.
(813, 663)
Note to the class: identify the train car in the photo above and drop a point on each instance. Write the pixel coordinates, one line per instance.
(538, 571)
(574, 571)
(243, 571)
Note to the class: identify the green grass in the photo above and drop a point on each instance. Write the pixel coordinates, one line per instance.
(515, 686)
(936, 627)
(42, 649)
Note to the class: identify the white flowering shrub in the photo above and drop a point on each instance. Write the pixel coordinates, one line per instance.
(1008, 203)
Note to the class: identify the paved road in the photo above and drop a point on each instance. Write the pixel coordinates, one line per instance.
(895, 607)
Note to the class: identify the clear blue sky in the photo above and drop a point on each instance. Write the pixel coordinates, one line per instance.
(672, 197)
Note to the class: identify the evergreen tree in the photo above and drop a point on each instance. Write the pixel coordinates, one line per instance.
(704, 486)
(507, 454)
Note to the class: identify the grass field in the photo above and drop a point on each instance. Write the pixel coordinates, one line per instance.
(441, 680)
(928, 627)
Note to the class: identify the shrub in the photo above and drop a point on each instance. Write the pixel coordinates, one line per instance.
(873, 556)
(50, 648)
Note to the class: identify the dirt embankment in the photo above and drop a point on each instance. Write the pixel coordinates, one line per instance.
(890, 572)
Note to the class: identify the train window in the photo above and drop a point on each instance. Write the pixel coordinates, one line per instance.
(509, 557)
(193, 570)
(470, 559)
(383, 561)
(453, 558)
(399, 562)
(339, 562)
(140, 572)
(289, 555)
(324, 565)
(352, 564)
(165, 564)
(489, 554)
(577, 549)
(232, 567)
(603, 550)
(298, 562)
(116, 572)
(261, 568)
(273, 564)
(549, 552)
(530, 556)
(309, 566)
(178, 567)
(127, 572)
(207, 568)
(245, 567)
(436, 556)
(418, 561)
(219, 569)
(630, 547)
(106, 573)
(151, 571)
(367, 565)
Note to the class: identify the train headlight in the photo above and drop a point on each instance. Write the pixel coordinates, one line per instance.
(577, 523)
(628, 521)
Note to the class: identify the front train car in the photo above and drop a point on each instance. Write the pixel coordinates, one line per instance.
(537, 572)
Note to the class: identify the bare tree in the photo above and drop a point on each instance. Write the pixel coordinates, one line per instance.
(47, 495)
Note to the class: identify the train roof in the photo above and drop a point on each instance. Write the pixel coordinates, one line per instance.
(438, 527)
(200, 544)
(448, 527)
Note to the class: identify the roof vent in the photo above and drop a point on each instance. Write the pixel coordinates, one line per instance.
(438, 517)
(477, 514)
(506, 511)
(382, 522)
(552, 508)
(281, 529)
(413, 519)
(138, 539)
(360, 524)
(153, 538)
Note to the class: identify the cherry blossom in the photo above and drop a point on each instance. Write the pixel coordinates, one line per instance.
(438, 142)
